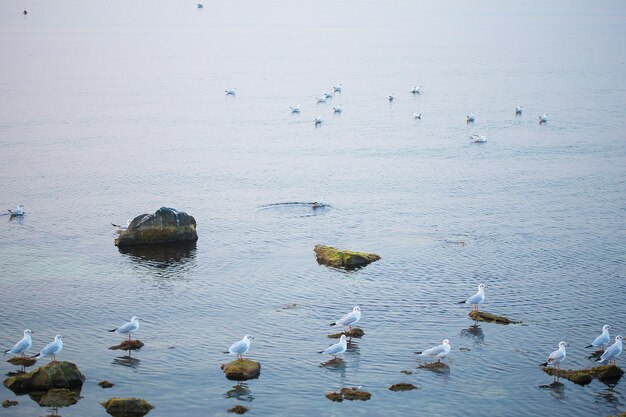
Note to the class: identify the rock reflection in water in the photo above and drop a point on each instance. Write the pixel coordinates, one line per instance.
(556, 389)
(608, 396)
(240, 392)
(127, 360)
(475, 333)
(161, 256)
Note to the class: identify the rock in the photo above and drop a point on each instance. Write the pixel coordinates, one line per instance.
(128, 345)
(238, 409)
(242, 369)
(334, 396)
(406, 372)
(402, 386)
(329, 256)
(127, 407)
(57, 397)
(105, 384)
(166, 225)
(356, 332)
(490, 318)
(22, 361)
(605, 373)
(44, 378)
(9, 403)
(349, 394)
(608, 373)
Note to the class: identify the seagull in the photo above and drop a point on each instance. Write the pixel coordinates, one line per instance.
(51, 349)
(543, 118)
(338, 88)
(338, 348)
(319, 203)
(240, 347)
(19, 211)
(318, 121)
(557, 356)
(230, 92)
(390, 98)
(438, 352)
(321, 99)
(477, 298)
(328, 95)
(128, 328)
(295, 109)
(477, 138)
(200, 5)
(518, 110)
(21, 346)
(417, 116)
(613, 351)
(417, 89)
(603, 340)
(349, 319)
(122, 228)
(470, 118)
(337, 109)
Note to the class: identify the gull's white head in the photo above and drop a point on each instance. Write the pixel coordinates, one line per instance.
(27, 332)
(482, 287)
(357, 308)
(58, 337)
(248, 337)
(618, 337)
(135, 318)
(562, 345)
(606, 328)
(446, 342)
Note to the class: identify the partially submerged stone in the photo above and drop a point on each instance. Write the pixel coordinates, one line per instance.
(241, 369)
(402, 386)
(433, 365)
(9, 403)
(355, 332)
(128, 345)
(336, 258)
(105, 384)
(166, 225)
(238, 409)
(334, 396)
(605, 373)
(355, 393)
(127, 407)
(44, 378)
(406, 372)
(490, 318)
(58, 397)
(24, 361)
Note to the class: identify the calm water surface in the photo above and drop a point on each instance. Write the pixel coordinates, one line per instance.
(113, 109)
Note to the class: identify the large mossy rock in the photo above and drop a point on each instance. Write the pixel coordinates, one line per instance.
(166, 225)
(241, 370)
(127, 407)
(336, 258)
(44, 378)
(477, 315)
(605, 373)
(128, 345)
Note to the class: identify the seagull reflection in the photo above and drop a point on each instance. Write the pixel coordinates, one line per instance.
(608, 396)
(353, 346)
(475, 333)
(241, 392)
(127, 361)
(556, 389)
(335, 363)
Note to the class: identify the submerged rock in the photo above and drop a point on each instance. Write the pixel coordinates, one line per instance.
(127, 407)
(605, 373)
(128, 345)
(490, 318)
(105, 384)
(57, 397)
(402, 386)
(241, 369)
(22, 361)
(350, 394)
(166, 225)
(355, 332)
(44, 378)
(334, 396)
(336, 258)
(406, 372)
(238, 409)
(9, 403)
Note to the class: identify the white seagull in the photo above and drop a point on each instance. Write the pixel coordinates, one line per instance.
(51, 349)
(338, 348)
(477, 298)
(438, 352)
(200, 5)
(19, 211)
(321, 99)
(543, 118)
(295, 109)
(318, 121)
(122, 228)
(557, 356)
(613, 351)
(128, 328)
(338, 88)
(240, 347)
(349, 319)
(230, 92)
(518, 110)
(390, 98)
(475, 138)
(417, 116)
(328, 95)
(603, 340)
(417, 89)
(337, 109)
(21, 346)
(471, 118)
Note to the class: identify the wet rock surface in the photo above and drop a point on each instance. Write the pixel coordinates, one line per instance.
(402, 386)
(355, 332)
(238, 409)
(605, 373)
(166, 225)
(336, 258)
(44, 378)
(127, 407)
(22, 361)
(9, 403)
(350, 394)
(57, 397)
(105, 384)
(241, 370)
(128, 345)
(490, 318)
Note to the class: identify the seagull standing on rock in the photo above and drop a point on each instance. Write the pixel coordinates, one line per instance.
(603, 340)
(295, 109)
(349, 319)
(128, 328)
(338, 348)
(417, 89)
(613, 351)
(557, 356)
(22, 346)
(51, 349)
(438, 352)
(518, 110)
(477, 298)
(240, 347)
(19, 211)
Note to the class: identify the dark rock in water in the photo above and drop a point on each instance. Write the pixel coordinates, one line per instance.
(402, 386)
(44, 378)
(605, 373)
(22, 361)
(241, 369)
(356, 332)
(436, 367)
(105, 384)
(128, 345)
(9, 403)
(57, 397)
(334, 396)
(333, 257)
(406, 372)
(127, 407)
(238, 409)
(166, 225)
(490, 318)
(349, 394)
(608, 373)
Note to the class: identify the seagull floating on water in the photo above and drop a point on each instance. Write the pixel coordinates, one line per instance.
(22, 346)
(321, 99)
(200, 5)
(477, 298)
(543, 118)
(557, 356)
(230, 92)
(471, 118)
(338, 88)
(603, 340)
(338, 348)
(240, 347)
(337, 109)
(417, 116)
(417, 89)
(328, 95)
(390, 98)
(477, 138)
(51, 349)
(438, 352)
(518, 110)
(128, 328)
(349, 319)
(318, 121)
(319, 203)
(613, 351)
(295, 109)
(19, 211)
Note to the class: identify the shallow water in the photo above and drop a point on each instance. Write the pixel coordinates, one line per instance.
(113, 110)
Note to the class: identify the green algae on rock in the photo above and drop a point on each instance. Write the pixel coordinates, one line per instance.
(334, 396)
(22, 361)
(57, 397)
(9, 403)
(128, 345)
(336, 258)
(406, 372)
(127, 407)
(238, 409)
(350, 394)
(605, 373)
(44, 378)
(355, 332)
(490, 318)
(402, 386)
(105, 384)
(241, 369)
(166, 225)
